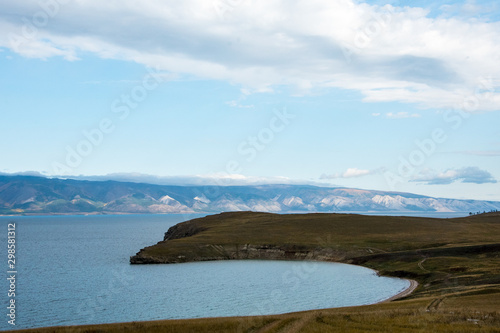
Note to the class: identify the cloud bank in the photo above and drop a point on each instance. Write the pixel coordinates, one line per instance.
(387, 53)
(465, 175)
(218, 179)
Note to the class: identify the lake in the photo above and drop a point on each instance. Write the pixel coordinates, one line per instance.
(75, 270)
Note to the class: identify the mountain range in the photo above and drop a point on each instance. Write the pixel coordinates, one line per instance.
(40, 195)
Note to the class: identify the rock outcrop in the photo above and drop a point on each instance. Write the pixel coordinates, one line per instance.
(240, 252)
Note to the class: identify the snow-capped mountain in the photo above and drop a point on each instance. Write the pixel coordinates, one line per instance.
(38, 195)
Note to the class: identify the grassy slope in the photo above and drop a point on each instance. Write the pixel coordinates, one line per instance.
(455, 261)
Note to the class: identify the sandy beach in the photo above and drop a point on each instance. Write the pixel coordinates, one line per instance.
(404, 293)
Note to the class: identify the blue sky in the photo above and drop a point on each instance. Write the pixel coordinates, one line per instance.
(394, 95)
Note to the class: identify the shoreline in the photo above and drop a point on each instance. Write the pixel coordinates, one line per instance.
(350, 239)
(425, 214)
(407, 292)
(413, 285)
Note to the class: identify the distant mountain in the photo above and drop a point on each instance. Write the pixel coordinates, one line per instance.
(39, 195)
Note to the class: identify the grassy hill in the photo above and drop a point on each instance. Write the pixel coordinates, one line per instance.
(455, 261)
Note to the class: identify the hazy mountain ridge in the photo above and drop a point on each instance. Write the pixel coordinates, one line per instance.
(39, 195)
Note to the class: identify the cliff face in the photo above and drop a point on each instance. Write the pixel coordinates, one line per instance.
(196, 240)
(327, 237)
(246, 251)
(445, 256)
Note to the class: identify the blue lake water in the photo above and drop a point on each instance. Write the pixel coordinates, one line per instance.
(75, 270)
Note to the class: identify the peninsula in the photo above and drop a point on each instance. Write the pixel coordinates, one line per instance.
(456, 263)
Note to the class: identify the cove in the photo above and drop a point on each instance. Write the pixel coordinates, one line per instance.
(75, 270)
(252, 287)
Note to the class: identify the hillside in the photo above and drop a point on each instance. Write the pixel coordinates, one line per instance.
(391, 244)
(455, 261)
(38, 195)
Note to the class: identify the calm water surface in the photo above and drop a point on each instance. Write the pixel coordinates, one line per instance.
(75, 270)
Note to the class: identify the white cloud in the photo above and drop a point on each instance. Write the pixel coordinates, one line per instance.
(23, 173)
(218, 179)
(237, 104)
(469, 9)
(387, 53)
(492, 153)
(465, 175)
(402, 115)
(351, 173)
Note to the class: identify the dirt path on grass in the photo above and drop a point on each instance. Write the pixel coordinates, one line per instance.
(422, 267)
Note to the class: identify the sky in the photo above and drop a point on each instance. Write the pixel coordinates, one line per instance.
(394, 96)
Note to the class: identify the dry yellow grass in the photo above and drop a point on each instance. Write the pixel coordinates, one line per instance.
(455, 261)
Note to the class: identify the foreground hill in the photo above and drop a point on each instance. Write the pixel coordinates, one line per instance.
(455, 261)
(350, 238)
(39, 195)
